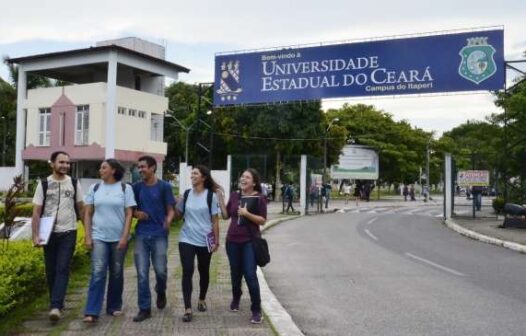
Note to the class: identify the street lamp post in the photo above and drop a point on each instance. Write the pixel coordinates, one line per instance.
(187, 131)
(4, 150)
(325, 147)
(427, 170)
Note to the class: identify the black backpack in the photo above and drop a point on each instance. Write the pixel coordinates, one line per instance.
(45, 185)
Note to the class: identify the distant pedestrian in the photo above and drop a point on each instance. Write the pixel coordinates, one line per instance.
(327, 187)
(313, 194)
(289, 194)
(199, 209)
(412, 192)
(239, 245)
(405, 192)
(357, 192)
(58, 197)
(155, 212)
(347, 192)
(477, 196)
(107, 216)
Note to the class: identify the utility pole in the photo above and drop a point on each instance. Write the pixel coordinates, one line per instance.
(325, 147)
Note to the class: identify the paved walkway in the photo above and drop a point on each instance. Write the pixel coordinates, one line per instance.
(218, 320)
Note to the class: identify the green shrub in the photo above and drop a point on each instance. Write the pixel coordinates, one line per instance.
(21, 274)
(498, 205)
(22, 271)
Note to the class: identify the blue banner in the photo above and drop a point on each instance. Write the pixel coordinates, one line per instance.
(470, 61)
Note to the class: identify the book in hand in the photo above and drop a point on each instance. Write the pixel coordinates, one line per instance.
(251, 203)
(45, 228)
(210, 241)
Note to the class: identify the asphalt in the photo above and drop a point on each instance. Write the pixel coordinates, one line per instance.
(217, 320)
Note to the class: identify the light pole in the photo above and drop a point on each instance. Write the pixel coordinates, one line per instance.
(4, 121)
(187, 131)
(325, 147)
(427, 169)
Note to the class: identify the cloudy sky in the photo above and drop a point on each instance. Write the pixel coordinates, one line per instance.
(194, 31)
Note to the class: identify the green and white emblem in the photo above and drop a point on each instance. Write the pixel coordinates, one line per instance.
(477, 63)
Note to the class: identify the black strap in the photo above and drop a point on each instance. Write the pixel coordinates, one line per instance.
(209, 197)
(96, 187)
(45, 185)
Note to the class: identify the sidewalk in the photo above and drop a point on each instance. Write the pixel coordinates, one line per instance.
(217, 320)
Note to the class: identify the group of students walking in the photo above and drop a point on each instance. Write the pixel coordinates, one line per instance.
(107, 211)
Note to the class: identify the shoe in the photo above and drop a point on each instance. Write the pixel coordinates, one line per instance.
(89, 319)
(187, 317)
(234, 305)
(55, 315)
(115, 313)
(201, 306)
(142, 315)
(257, 318)
(161, 300)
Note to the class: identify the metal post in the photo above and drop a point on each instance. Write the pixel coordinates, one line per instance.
(427, 172)
(4, 150)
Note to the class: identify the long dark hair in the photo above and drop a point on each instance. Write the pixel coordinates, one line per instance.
(257, 179)
(116, 165)
(209, 182)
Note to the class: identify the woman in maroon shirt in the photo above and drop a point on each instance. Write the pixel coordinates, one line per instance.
(247, 210)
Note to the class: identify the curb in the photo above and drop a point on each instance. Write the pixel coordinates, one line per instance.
(483, 238)
(278, 316)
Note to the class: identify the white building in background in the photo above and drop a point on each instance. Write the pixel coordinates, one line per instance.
(114, 109)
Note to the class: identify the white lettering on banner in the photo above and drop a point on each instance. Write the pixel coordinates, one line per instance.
(273, 68)
(280, 76)
(316, 82)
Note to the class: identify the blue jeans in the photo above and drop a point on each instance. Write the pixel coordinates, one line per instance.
(105, 257)
(243, 264)
(150, 247)
(478, 200)
(57, 258)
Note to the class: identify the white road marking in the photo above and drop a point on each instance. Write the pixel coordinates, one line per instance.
(372, 220)
(371, 235)
(443, 268)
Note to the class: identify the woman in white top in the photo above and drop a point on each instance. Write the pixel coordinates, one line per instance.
(199, 234)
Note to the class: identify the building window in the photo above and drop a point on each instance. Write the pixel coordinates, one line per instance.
(156, 132)
(121, 110)
(132, 113)
(142, 114)
(44, 121)
(82, 125)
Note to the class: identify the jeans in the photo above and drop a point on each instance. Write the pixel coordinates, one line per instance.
(105, 257)
(150, 247)
(478, 200)
(187, 252)
(57, 257)
(243, 264)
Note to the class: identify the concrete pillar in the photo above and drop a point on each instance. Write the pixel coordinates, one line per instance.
(20, 119)
(303, 184)
(111, 106)
(448, 190)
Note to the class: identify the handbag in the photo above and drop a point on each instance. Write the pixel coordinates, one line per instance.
(260, 248)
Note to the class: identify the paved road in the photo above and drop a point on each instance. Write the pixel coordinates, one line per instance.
(391, 273)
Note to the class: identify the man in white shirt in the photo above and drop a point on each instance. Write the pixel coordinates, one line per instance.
(57, 197)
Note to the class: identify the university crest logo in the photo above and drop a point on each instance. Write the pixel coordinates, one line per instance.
(229, 86)
(477, 62)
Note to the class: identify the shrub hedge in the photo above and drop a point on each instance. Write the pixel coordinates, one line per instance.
(22, 271)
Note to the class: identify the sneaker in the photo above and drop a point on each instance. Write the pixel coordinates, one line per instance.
(187, 317)
(54, 314)
(161, 300)
(142, 315)
(257, 318)
(201, 306)
(234, 305)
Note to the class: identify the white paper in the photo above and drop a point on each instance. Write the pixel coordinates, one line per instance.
(45, 228)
